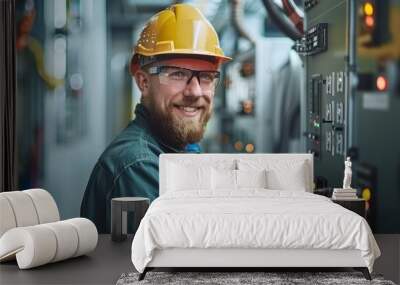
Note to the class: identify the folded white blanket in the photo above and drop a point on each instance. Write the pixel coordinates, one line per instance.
(252, 218)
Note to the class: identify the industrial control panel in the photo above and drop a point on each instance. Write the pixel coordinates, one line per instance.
(350, 50)
(325, 52)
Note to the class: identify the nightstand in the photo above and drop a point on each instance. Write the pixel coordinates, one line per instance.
(355, 205)
(119, 214)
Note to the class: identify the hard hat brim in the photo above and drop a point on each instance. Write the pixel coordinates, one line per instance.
(190, 53)
(218, 59)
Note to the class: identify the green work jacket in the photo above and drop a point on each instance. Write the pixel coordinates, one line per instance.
(128, 167)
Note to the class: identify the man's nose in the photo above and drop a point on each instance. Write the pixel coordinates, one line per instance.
(193, 87)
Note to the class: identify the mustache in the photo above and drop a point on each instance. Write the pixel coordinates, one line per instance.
(193, 101)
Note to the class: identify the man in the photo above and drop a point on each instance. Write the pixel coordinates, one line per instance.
(175, 65)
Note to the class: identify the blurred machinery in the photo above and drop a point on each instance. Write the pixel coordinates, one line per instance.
(351, 54)
(335, 79)
(262, 111)
(260, 108)
(61, 61)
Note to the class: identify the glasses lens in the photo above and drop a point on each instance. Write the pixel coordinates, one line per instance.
(180, 77)
(178, 74)
(208, 79)
(174, 76)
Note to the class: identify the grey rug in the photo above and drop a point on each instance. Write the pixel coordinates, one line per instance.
(229, 278)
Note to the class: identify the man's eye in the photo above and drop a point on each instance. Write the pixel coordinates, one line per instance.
(178, 75)
(207, 77)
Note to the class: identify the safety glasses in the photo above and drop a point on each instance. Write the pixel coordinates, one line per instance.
(180, 77)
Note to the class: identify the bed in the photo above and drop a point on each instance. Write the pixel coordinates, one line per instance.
(240, 210)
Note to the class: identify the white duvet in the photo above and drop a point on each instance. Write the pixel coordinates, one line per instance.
(251, 218)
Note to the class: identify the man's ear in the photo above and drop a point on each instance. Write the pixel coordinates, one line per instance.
(142, 81)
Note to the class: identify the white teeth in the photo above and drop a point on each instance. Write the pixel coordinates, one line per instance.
(189, 109)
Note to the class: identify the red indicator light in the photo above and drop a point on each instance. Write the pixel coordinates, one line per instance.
(381, 83)
(369, 21)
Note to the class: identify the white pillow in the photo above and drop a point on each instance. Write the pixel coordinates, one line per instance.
(282, 174)
(183, 177)
(227, 179)
(223, 179)
(294, 178)
(251, 178)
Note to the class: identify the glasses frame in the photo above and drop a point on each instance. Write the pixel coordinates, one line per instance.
(156, 70)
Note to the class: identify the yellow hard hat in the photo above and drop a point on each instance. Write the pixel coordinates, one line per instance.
(179, 29)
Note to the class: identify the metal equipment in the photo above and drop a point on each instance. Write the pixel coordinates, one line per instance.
(351, 54)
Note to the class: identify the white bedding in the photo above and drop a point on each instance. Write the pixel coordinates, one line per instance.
(251, 218)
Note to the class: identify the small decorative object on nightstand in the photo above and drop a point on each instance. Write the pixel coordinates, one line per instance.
(119, 208)
(345, 193)
(357, 205)
(347, 196)
(347, 174)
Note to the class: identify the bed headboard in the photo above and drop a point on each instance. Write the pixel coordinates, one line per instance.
(227, 160)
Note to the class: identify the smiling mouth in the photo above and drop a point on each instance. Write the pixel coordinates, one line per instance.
(188, 111)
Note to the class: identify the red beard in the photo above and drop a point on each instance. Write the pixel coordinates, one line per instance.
(175, 131)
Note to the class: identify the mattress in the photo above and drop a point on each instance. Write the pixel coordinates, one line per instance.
(250, 218)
